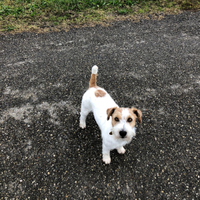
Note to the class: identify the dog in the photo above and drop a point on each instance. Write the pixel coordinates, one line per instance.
(117, 124)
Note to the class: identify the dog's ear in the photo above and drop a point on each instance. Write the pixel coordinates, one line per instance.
(110, 111)
(138, 113)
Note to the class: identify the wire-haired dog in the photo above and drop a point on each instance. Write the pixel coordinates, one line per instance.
(117, 124)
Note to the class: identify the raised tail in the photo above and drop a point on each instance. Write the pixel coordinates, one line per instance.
(93, 79)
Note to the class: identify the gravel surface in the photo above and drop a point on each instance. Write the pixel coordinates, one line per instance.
(152, 65)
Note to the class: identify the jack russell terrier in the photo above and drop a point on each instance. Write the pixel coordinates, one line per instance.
(117, 124)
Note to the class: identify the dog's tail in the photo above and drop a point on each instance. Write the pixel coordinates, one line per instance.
(93, 79)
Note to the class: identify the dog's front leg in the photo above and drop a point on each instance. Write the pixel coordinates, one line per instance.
(121, 150)
(106, 155)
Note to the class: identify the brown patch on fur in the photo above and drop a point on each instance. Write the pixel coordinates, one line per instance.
(110, 111)
(117, 114)
(93, 81)
(133, 117)
(137, 113)
(99, 93)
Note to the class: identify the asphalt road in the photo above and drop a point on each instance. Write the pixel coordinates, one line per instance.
(152, 65)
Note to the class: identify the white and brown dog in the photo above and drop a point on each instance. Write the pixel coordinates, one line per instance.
(117, 124)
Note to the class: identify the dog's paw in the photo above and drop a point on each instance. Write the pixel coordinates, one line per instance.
(121, 150)
(106, 159)
(82, 124)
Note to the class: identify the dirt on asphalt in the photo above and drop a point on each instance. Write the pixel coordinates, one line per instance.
(151, 65)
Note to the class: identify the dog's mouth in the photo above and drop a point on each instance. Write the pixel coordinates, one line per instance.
(126, 138)
(122, 135)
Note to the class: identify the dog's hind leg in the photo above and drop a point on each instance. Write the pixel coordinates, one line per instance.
(85, 110)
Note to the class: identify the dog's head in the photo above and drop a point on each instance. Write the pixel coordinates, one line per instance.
(123, 122)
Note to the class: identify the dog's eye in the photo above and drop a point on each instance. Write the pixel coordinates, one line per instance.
(116, 119)
(129, 119)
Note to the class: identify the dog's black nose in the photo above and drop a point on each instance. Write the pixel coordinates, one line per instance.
(122, 133)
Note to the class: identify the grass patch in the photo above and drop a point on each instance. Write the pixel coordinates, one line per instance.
(122, 11)
(9, 28)
(29, 15)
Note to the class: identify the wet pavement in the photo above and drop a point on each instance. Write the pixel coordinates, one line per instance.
(151, 65)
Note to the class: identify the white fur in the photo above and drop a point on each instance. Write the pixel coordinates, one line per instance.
(99, 106)
(94, 69)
